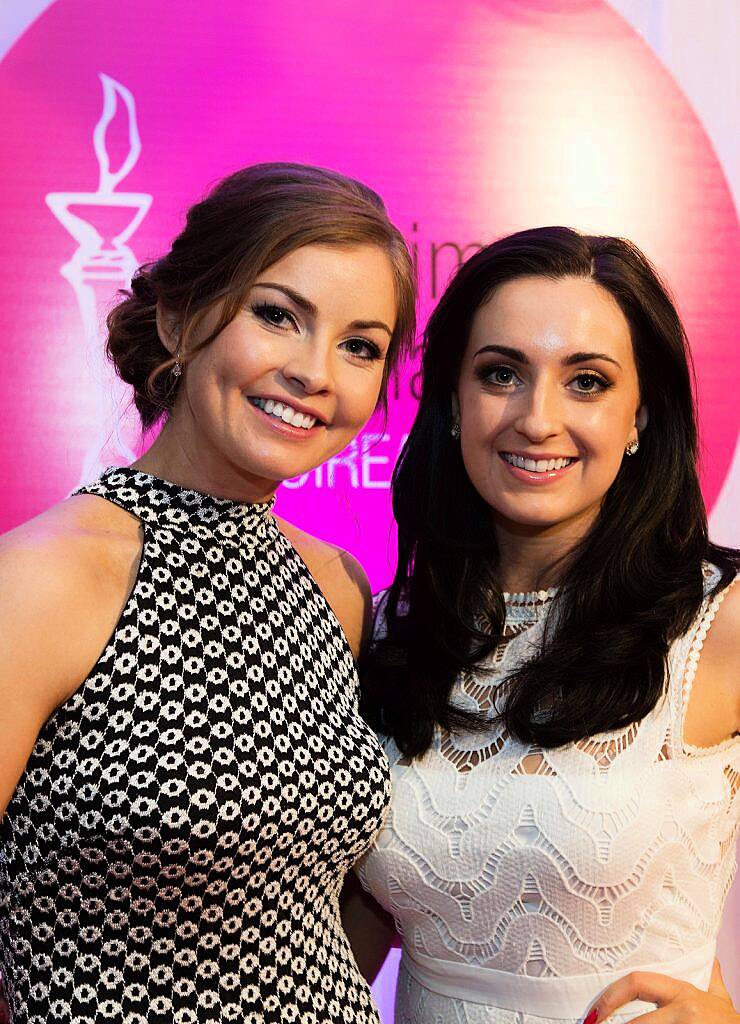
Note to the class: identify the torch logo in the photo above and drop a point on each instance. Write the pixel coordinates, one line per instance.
(101, 264)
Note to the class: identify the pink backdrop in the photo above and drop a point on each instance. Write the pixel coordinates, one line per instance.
(472, 119)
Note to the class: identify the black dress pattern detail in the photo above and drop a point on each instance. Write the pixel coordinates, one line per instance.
(174, 851)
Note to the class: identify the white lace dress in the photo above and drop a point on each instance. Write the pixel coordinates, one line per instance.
(524, 881)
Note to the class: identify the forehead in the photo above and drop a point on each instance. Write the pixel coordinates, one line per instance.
(544, 316)
(356, 278)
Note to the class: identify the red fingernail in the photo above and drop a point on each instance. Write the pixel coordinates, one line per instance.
(592, 1017)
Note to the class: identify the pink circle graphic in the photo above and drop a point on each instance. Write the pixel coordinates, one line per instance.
(471, 119)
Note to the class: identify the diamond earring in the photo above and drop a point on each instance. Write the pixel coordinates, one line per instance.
(455, 432)
(631, 448)
(177, 368)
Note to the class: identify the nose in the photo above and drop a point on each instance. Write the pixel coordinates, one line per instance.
(309, 368)
(538, 416)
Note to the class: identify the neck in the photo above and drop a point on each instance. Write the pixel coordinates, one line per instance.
(189, 462)
(535, 557)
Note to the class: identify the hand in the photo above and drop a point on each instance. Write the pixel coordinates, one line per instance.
(678, 1002)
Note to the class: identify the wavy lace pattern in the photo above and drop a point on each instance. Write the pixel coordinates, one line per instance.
(608, 854)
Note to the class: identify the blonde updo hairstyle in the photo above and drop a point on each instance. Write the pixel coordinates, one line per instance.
(249, 221)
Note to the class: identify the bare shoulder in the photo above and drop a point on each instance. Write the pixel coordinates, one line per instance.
(81, 538)
(60, 575)
(715, 698)
(727, 618)
(721, 648)
(64, 578)
(342, 580)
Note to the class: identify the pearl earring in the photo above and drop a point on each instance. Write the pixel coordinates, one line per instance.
(631, 448)
(455, 431)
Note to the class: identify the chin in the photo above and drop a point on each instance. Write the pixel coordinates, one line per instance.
(275, 471)
(276, 462)
(533, 518)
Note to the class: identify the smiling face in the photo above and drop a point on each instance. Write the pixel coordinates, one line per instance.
(292, 379)
(547, 401)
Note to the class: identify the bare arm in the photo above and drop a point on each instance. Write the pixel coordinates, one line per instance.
(371, 931)
(63, 581)
(713, 714)
(342, 581)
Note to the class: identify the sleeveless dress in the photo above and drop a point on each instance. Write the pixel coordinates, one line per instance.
(175, 848)
(524, 881)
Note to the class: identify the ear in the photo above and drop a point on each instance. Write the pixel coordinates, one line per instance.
(168, 330)
(455, 406)
(641, 418)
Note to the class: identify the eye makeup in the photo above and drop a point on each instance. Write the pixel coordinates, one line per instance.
(272, 314)
(505, 378)
(276, 316)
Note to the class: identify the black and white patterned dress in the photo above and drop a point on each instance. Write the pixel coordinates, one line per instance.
(175, 848)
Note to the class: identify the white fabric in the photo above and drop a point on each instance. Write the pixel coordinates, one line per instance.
(557, 998)
(512, 872)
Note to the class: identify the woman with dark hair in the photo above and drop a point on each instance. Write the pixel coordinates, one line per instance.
(565, 764)
(180, 809)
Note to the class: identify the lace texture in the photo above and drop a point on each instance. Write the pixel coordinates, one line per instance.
(510, 867)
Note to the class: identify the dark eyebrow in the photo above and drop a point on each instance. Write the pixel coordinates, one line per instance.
(300, 301)
(518, 356)
(367, 325)
(307, 306)
(504, 350)
(587, 357)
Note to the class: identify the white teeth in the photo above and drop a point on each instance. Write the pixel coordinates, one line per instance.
(284, 412)
(536, 465)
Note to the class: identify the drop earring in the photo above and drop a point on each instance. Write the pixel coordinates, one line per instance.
(455, 432)
(631, 448)
(177, 367)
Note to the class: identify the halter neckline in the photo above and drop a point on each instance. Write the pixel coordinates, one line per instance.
(159, 502)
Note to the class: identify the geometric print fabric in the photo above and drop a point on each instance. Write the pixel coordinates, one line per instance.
(175, 848)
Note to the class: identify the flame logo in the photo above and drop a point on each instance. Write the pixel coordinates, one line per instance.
(111, 91)
(108, 262)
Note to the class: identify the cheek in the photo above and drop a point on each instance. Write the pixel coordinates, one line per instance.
(602, 431)
(213, 387)
(482, 422)
(357, 394)
(483, 418)
(242, 353)
(242, 364)
(219, 377)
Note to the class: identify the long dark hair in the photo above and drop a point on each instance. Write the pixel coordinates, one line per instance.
(631, 586)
